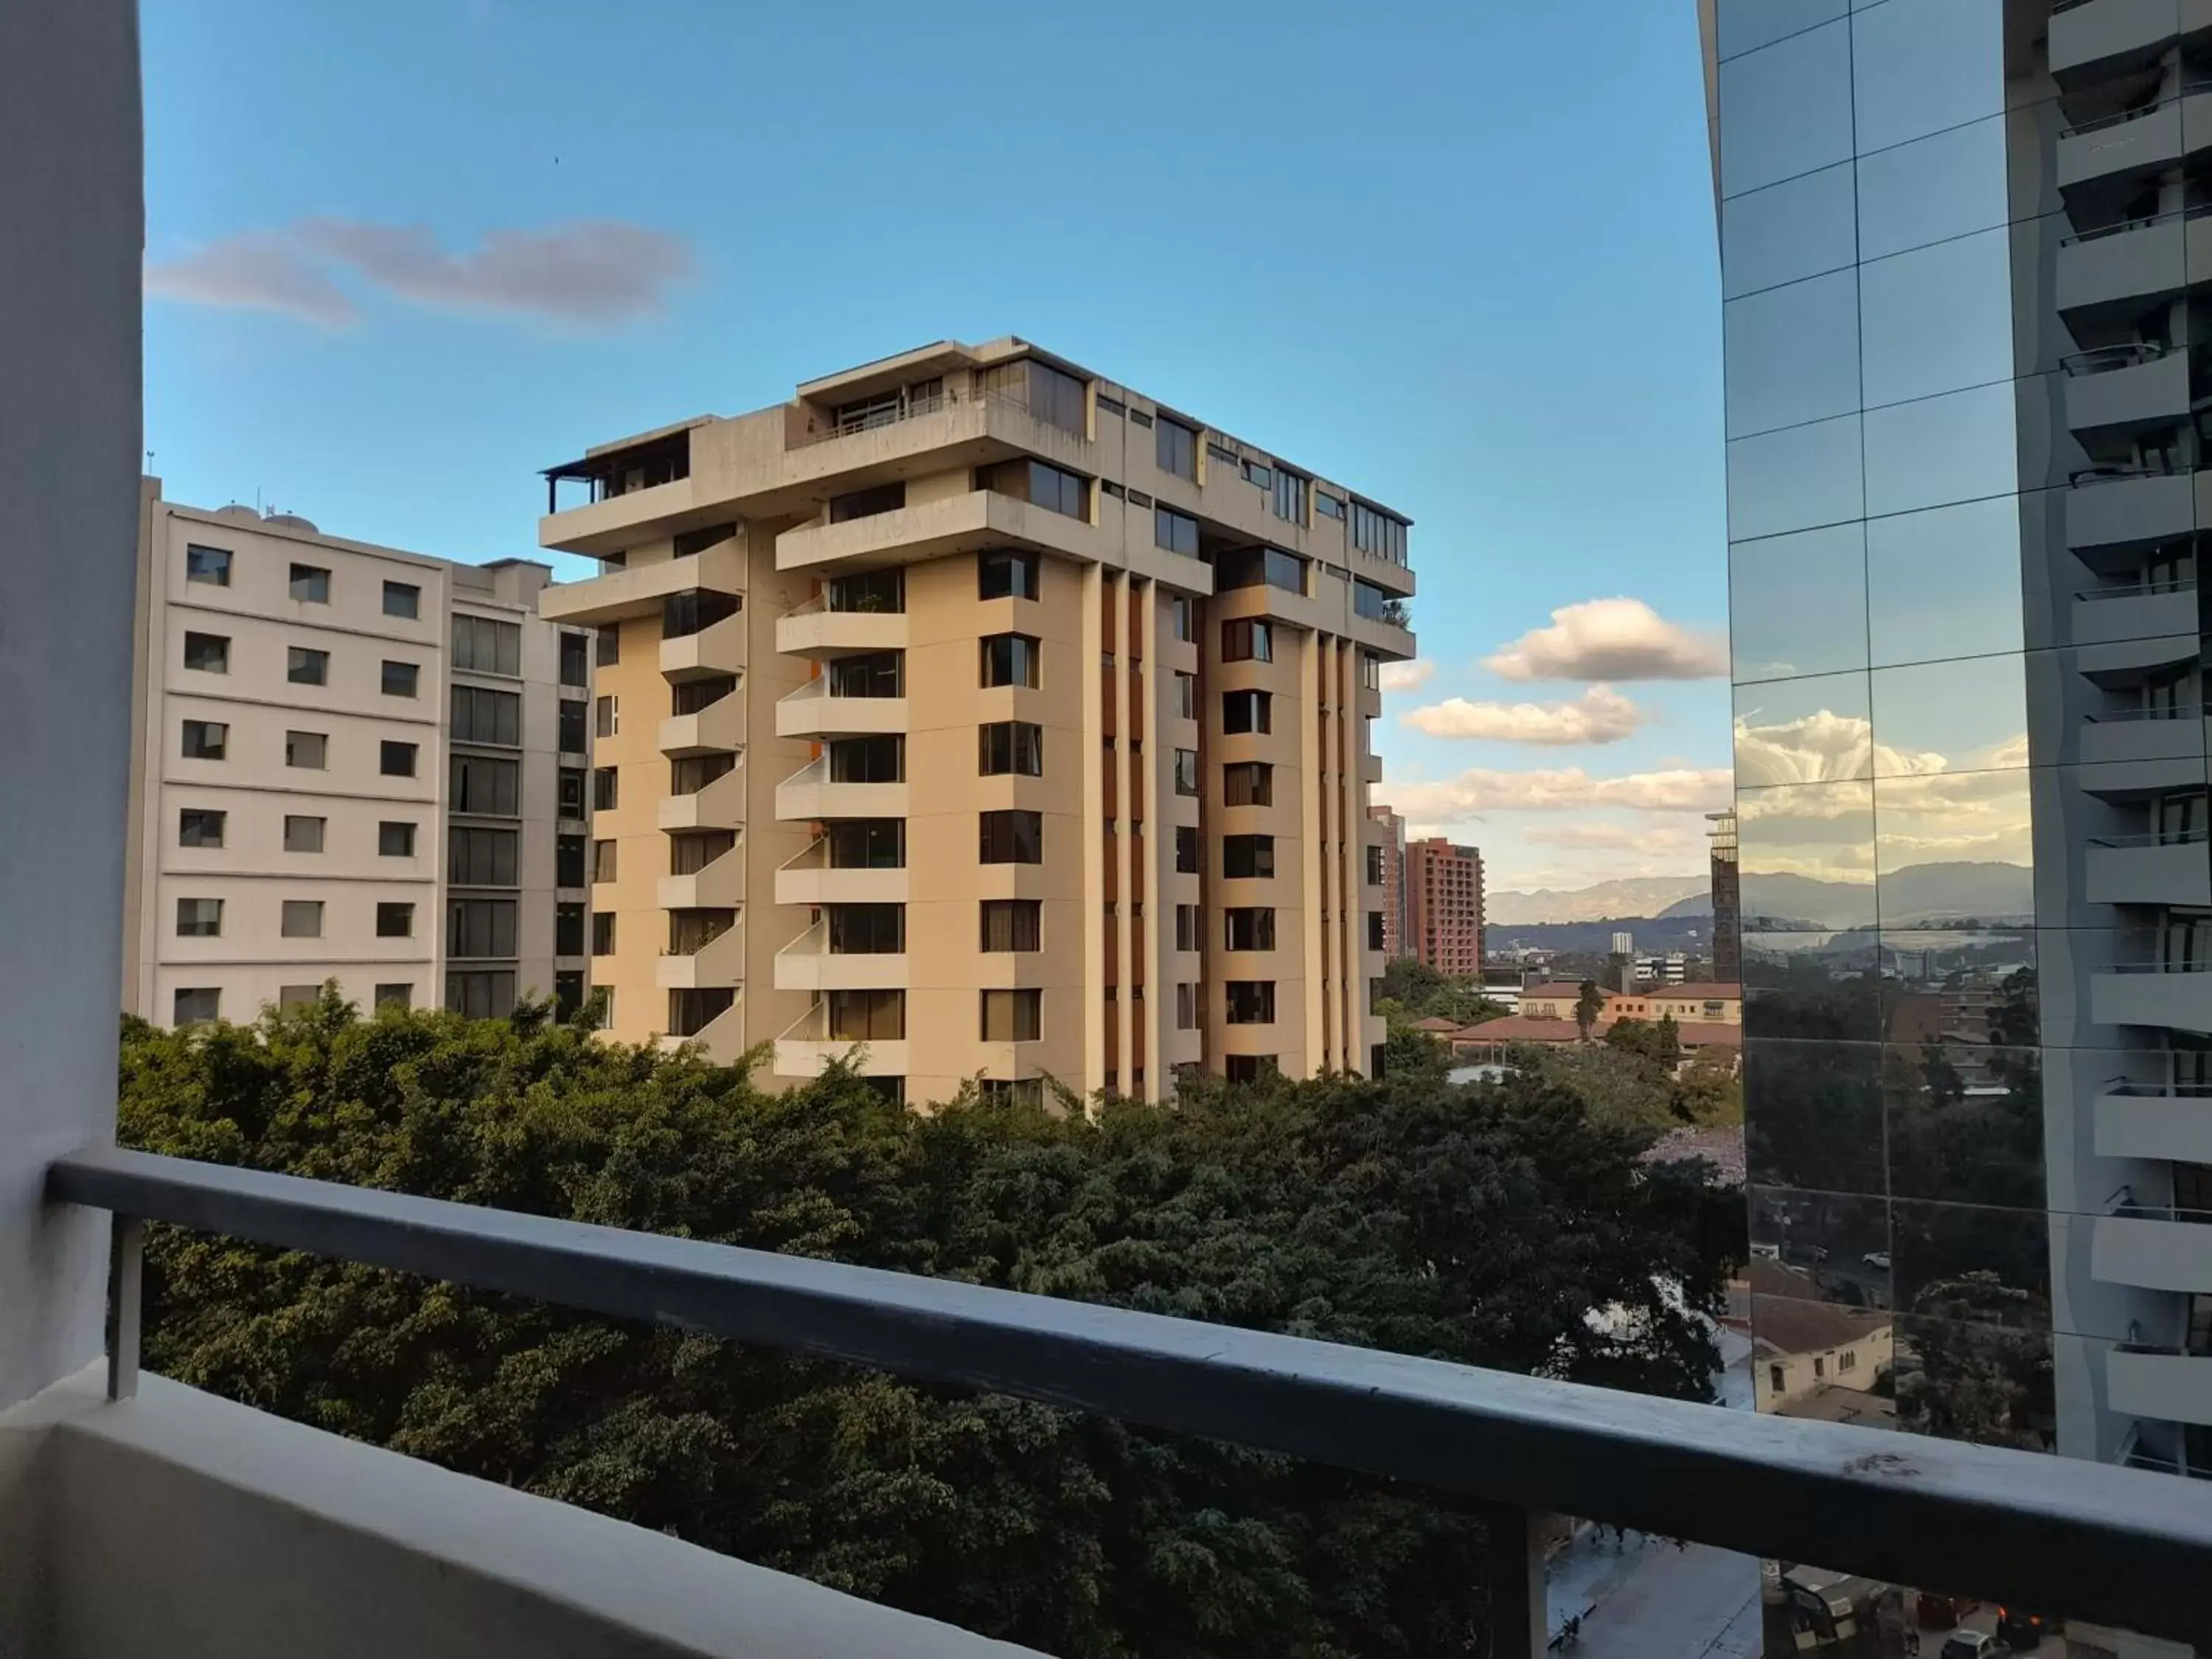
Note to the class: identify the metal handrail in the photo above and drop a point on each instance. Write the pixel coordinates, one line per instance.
(912, 410)
(2197, 212)
(2123, 117)
(2152, 838)
(2120, 1546)
(2120, 472)
(2103, 359)
(2140, 1091)
(2188, 711)
(2137, 590)
(2158, 968)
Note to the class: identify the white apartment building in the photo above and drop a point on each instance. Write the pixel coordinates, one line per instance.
(348, 764)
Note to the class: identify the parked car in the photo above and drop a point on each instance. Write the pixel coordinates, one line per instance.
(1877, 1258)
(1936, 1612)
(1972, 1645)
(2020, 1631)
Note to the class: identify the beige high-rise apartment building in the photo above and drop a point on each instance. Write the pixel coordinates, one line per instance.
(988, 714)
(350, 763)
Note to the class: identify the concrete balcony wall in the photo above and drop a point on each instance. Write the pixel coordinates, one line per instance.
(2129, 512)
(721, 1039)
(2165, 1388)
(811, 711)
(2115, 616)
(717, 729)
(2122, 267)
(719, 806)
(2142, 394)
(719, 886)
(806, 1056)
(808, 880)
(2165, 1126)
(2148, 143)
(957, 524)
(808, 795)
(2180, 874)
(807, 964)
(187, 1526)
(717, 649)
(640, 590)
(2110, 33)
(2104, 742)
(822, 633)
(2177, 1001)
(2152, 1253)
(720, 961)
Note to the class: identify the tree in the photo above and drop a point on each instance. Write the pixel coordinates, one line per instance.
(1411, 990)
(1477, 1223)
(1589, 1008)
(1661, 1043)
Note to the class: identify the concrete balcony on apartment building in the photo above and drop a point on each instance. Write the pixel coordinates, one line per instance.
(2149, 870)
(720, 961)
(2145, 1120)
(808, 1045)
(717, 729)
(808, 878)
(2108, 277)
(641, 590)
(718, 885)
(815, 631)
(2118, 153)
(808, 963)
(2151, 994)
(2156, 1251)
(2167, 1385)
(2116, 508)
(965, 523)
(810, 795)
(721, 1038)
(2127, 388)
(2094, 39)
(2146, 610)
(719, 806)
(717, 649)
(810, 711)
(2163, 734)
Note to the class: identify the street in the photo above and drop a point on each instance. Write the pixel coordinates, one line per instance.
(1653, 1600)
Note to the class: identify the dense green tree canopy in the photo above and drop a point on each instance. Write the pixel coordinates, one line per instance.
(1479, 1224)
(1413, 990)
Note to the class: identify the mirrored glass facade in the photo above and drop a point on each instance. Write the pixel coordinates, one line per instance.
(1967, 255)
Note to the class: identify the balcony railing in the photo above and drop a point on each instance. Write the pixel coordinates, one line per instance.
(912, 409)
(2102, 359)
(2136, 590)
(2151, 838)
(2115, 1546)
(2125, 225)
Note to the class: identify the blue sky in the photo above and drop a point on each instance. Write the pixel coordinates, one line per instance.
(1460, 257)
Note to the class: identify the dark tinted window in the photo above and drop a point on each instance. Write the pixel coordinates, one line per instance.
(1012, 837)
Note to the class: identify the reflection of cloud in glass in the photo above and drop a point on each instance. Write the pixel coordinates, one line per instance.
(1971, 709)
(1954, 817)
(1808, 731)
(1822, 831)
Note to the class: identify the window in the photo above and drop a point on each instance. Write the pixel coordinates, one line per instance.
(1256, 567)
(1112, 489)
(1289, 496)
(1039, 483)
(396, 760)
(1187, 925)
(192, 1005)
(205, 740)
(1186, 851)
(603, 933)
(570, 784)
(210, 653)
(575, 660)
(303, 835)
(1050, 395)
(569, 930)
(395, 921)
(1110, 406)
(484, 645)
(485, 716)
(867, 844)
(1006, 746)
(1847, 1360)
(1259, 473)
(1375, 938)
(1012, 925)
(569, 860)
(1371, 601)
(1184, 703)
(310, 749)
(199, 827)
(210, 565)
(1370, 671)
(1001, 574)
(397, 994)
(1778, 1378)
(1327, 505)
(866, 930)
(1250, 928)
(1250, 1001)
(866, 503)
(572, 741)
(307, 667)
(1138, 417)
(1249, 1068)
(568, 992)
(1248, 783)
(480, 927)
(604, 861)
(1247, 711)
(606, 716)
(1012, 1015)
(311, 584)
(1186, 771)
(606, 789)
(869, 674)
(1009, 660)
(695, 611)
(608, 646)
(1186, 1014)
(1247, 639)
(690, 541)
(1376, 532)
(199, 918)
(1175, 532)
(868, 1016)
(1014, 837)
(302, 919)
(1176, 447)
(687, 854)
(867, 760)
(395, 840)
(880, 592)
(1182, 618)
(1247, 857)
(1374, 866)
(477, 857)
(485, 784)
(481, 994)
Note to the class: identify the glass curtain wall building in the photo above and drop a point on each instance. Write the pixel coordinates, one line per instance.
(1966, 254)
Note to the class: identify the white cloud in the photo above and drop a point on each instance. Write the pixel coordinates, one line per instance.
(1616, 639)
(594, 271)
(1560, 789)
(1654, 836)
(1406, 675)
(1600, 714)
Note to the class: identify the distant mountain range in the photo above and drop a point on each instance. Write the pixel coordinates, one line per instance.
(1631, 895)
(1925, 893)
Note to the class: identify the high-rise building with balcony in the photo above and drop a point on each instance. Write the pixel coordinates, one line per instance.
(1444, 905)
(990, 716)
(1393, 841)
(1727, 897)
(349, 763)
(1965, 262)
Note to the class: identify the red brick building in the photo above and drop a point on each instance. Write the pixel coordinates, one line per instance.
(1444, 905)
